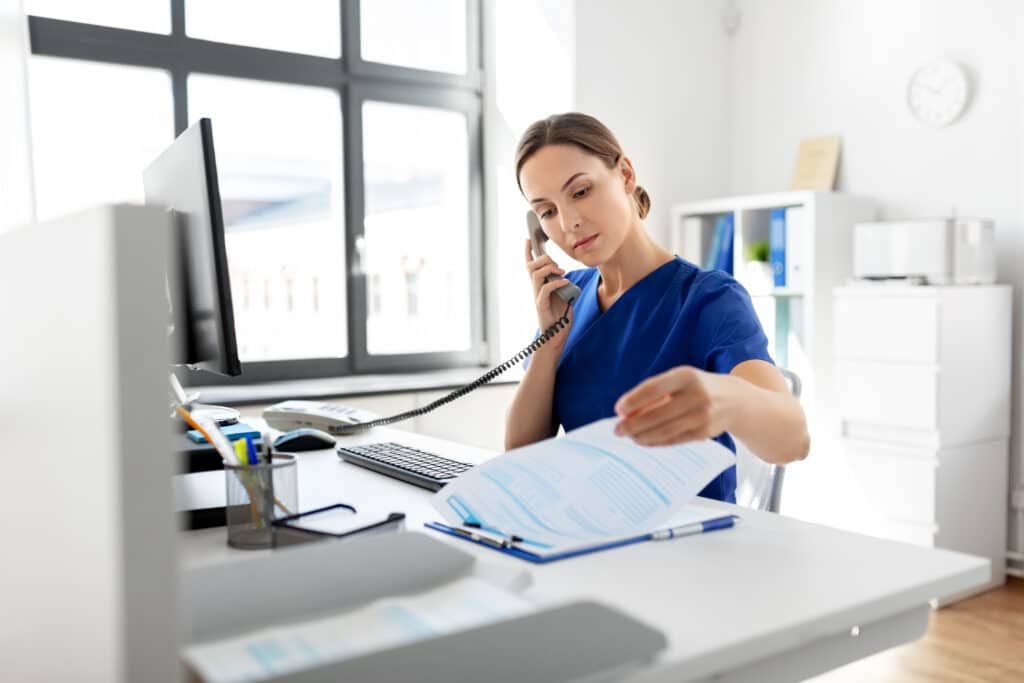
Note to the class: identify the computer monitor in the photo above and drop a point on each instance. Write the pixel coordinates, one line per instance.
(184, 179)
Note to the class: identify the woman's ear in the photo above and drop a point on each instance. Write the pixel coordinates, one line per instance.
(627, 174)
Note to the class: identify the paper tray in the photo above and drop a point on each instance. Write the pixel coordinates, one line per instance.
(575, 642)
(567, 642)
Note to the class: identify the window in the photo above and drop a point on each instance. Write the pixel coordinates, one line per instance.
(279, 164)
(96, 154)
(311, 28)
(348, 147)
(401, 43)
(153, 16)
(416, 233)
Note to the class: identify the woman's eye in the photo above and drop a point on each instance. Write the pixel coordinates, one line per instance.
(546, 213)
(580, 193)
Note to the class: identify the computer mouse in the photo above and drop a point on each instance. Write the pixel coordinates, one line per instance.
(304, 439)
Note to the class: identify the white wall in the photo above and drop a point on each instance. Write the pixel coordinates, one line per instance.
(529, 68)
(809, 67)
(657, 74)
(17, 204)
(704, 115)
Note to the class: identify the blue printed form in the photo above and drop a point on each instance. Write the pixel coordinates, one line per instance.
(585, 488)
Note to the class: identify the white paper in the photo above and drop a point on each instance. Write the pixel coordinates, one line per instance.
(386, 623)
(588, 486)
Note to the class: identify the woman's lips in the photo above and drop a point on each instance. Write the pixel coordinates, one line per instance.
(584, 243)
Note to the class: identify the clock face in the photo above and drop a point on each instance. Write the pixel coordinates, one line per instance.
(937, 93)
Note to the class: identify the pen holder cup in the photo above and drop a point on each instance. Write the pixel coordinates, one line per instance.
(255, 496)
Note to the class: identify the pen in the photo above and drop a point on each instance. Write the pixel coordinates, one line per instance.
(497, 542)
(208, 428)
(250, 452)
(695, 528)
(190, 421)
(267, 451)
(512, 538)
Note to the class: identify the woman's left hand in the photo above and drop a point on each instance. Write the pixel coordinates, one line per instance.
(682, 404)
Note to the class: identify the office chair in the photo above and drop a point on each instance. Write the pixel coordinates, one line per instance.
(758, 483)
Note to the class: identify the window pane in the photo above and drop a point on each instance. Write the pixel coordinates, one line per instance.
(417, 229)
(153, 16)
(279, 162)
(311, 27)
(90, 143)
(421, 34)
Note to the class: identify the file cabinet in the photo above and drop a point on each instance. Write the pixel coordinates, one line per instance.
(923, 387)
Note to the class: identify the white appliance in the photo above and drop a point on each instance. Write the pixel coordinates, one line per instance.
(929, 250)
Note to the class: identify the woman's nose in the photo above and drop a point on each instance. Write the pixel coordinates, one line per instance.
(570, 222)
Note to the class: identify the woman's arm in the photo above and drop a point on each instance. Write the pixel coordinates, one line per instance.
(767, 417)
(530, 417)
(686, 404)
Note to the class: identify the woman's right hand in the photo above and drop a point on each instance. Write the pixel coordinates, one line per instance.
(550, 308)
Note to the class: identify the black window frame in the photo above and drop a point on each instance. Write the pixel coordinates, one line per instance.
(356, 81)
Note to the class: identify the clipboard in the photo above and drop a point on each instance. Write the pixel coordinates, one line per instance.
(519, 547)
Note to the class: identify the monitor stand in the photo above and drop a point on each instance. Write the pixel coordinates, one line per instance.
(222, 415)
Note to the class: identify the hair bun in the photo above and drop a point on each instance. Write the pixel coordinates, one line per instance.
(643, 201)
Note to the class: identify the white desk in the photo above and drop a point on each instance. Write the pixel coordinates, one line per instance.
(774, 599)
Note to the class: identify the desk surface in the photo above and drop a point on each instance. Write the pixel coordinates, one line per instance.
(723, 600)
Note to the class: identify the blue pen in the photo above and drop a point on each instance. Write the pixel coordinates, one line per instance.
(695, 528)
(250, 451)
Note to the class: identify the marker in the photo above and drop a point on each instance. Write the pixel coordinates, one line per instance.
(250, 451)
(240, 453)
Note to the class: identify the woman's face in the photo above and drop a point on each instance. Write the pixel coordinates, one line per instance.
(585, 207)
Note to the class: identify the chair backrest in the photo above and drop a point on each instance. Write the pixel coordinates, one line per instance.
(758, 483)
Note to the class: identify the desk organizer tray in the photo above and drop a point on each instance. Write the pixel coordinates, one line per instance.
(335, 583)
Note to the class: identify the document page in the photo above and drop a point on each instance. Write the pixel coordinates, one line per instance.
(585, 487)
(277, 650)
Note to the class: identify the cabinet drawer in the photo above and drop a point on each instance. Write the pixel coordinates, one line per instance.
(887, 328)
(888, 393)
(897, 484)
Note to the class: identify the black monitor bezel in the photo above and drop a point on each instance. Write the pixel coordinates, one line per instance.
(223, 358)
(231, 365)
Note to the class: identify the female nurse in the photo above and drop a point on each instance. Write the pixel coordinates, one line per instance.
(674, 351)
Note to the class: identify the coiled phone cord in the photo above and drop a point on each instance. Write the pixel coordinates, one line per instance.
(528, 351)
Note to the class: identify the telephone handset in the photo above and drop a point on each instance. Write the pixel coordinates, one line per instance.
(569, 293)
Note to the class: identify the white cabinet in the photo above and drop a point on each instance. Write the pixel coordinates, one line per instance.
(923, 379)
(886, 328)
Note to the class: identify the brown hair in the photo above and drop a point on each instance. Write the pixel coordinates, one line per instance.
(583, 131)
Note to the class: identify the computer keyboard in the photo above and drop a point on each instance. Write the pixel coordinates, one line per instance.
(429, 470)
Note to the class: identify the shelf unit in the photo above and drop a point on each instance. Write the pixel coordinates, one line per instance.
(798, 321)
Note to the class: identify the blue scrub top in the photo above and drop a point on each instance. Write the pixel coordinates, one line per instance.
(677, 315)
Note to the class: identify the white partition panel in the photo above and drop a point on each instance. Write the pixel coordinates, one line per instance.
(17, 201)
(88, 579)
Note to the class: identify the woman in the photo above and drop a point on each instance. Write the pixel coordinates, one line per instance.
(674, 351)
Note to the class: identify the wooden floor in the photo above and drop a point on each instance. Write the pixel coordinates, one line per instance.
(977, 640)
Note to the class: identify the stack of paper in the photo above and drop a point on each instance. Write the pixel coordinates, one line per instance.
(587, 487)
